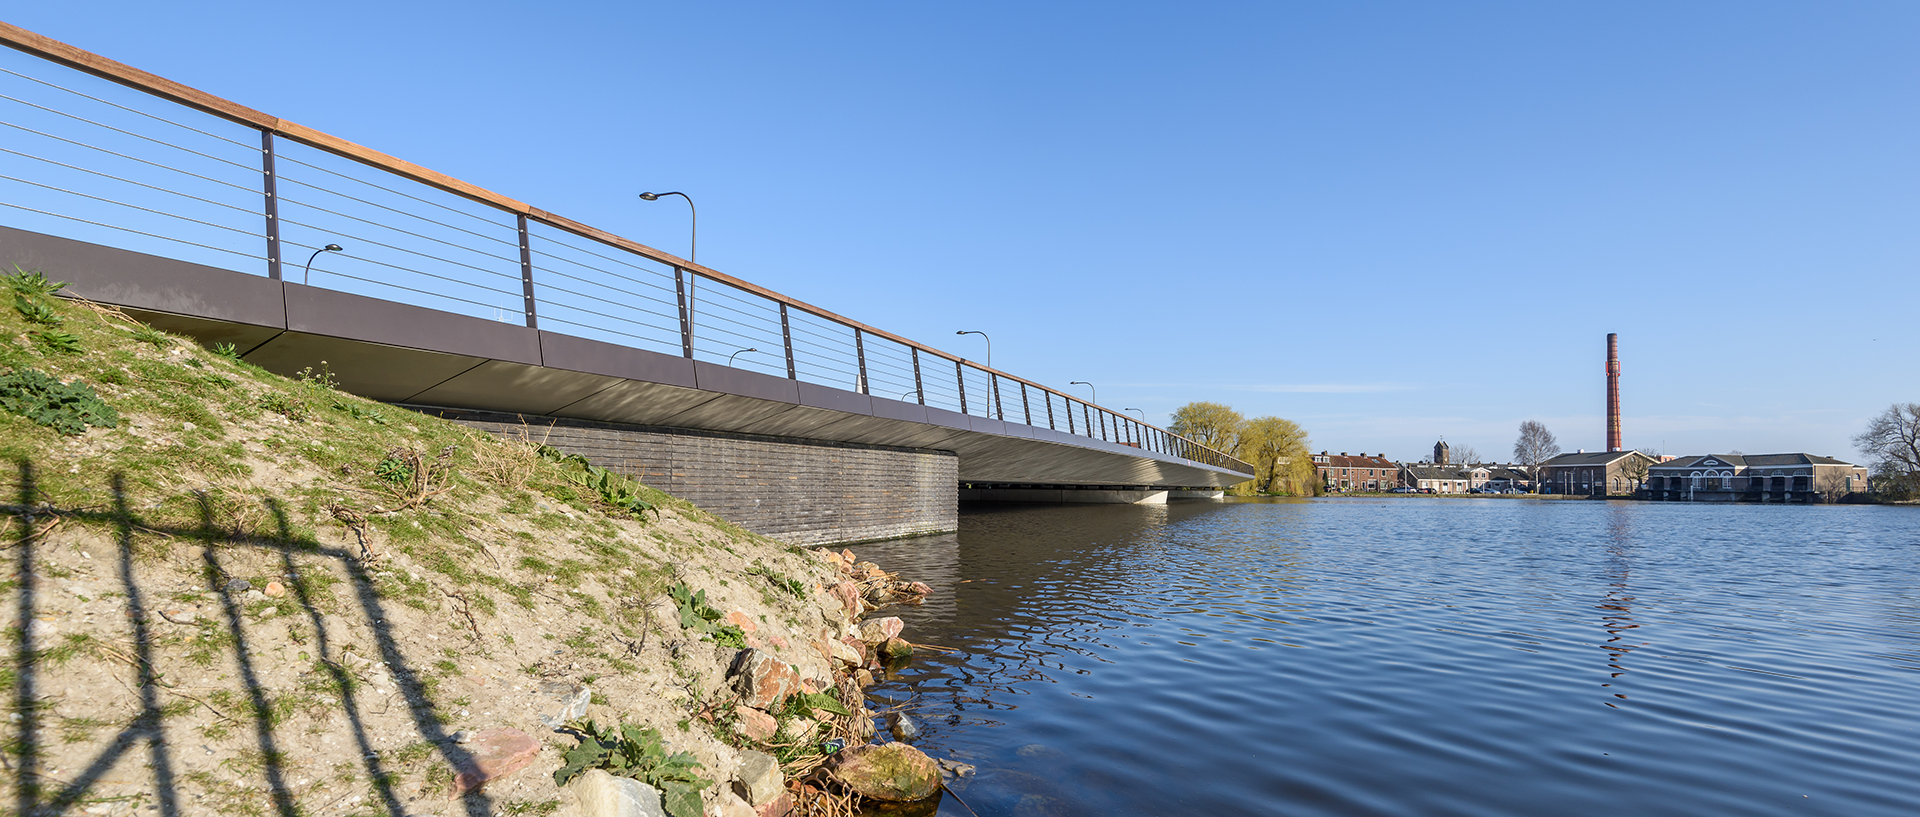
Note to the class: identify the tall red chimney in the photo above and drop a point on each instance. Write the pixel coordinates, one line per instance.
(1613, 391)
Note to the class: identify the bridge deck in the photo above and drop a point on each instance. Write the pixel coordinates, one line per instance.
(410, 354)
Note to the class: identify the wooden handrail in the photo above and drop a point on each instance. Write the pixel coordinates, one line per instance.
(91, 63)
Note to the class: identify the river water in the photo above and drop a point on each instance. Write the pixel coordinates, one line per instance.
(1414, 656)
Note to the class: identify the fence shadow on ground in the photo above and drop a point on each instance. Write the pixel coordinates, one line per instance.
(37, 791)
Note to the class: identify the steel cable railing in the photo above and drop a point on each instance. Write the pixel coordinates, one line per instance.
(91, 163)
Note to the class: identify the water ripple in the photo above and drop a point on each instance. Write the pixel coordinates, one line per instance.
(1422, 657)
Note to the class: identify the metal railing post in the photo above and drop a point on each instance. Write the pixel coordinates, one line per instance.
(1069, 402)
(960, 374)
(860, 356)
(919, 390)
(1048, 396)
(526, 271)
(686, 326)
(999, 410)
(272, 205)
(786, 340)
(1026, 408)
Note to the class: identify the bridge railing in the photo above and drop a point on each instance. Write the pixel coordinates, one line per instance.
(97, 151)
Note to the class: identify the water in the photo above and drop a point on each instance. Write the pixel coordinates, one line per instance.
(1412, 656)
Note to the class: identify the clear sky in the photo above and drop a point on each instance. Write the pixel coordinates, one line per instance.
(1389, 222)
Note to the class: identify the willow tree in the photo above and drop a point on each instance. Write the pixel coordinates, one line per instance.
(1278, 450)
(1210, 424)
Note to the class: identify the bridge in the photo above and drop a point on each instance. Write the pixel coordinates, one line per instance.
(296, 247)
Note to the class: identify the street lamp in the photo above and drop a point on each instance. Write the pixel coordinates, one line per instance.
(1143, 415)
(316, 254)
(1096, 392)
(989, 344)
(693, 243)
(737, 354)
(693, 247)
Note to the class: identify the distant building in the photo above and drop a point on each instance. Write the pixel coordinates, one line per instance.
(1595, 473)
(1443, 479)
(1754, 478)
(1508, 478)
(1360, 472)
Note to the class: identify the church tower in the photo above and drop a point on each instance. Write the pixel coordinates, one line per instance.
(1440, 453)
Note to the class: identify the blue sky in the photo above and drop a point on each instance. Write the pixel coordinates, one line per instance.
(1389, 222)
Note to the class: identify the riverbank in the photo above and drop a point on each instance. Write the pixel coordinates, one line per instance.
(234, 593)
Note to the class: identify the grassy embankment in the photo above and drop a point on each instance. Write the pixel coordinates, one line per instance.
(237, 593)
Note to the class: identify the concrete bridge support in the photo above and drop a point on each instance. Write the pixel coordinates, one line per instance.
(801, 492)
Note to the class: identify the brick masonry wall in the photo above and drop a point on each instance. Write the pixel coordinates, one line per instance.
(801, 492)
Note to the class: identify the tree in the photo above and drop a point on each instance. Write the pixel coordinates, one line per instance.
(1210, 424)
(1463, 454)
(1635, 470)
(1536, 445)
(1278, 449)
(1892, 443)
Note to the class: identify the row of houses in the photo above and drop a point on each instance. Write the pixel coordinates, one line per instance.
(1705, 478)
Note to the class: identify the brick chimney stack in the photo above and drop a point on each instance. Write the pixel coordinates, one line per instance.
(1613, 391)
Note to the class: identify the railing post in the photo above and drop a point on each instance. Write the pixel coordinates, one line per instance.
(1069, 403)
(786, 341)
(919, 391)
(273, 205)
(686, 326)
(960, 374)
(999, 411)
(1026, 408)
(1048, 396)
(860, 356)
(526, 271)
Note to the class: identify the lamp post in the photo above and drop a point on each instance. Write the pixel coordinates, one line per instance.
(308, 272)
(1096, 392)
(1143, 415)
(693, 246)
(989, 344)
(737, 354)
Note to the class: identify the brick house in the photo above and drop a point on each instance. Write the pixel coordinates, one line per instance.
(1591, 473)
(1356, 472)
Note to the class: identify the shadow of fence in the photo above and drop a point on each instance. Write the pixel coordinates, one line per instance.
(151, 678)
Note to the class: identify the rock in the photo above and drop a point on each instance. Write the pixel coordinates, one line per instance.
(743, 621)
(238, 585)
(276, 590)
(777, 807)
(887, 771)
(863, 677)
(878, 630)
(603, 795)
(902, 727)
(762, 680)
(758, 780)
(896, 649)
(573, 702)
(879, 595)
(849, 595)
(954, 768)
(462, 736)
(920, 589)
(493, 754)
(844, 653)
(729, 804)
(754, 724)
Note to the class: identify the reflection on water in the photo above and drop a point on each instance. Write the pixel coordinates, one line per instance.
(1424, 657)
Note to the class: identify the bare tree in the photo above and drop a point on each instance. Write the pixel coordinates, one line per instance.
(1463, 455)
(1635, 470)
(1892, 442)
(1536, 445)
